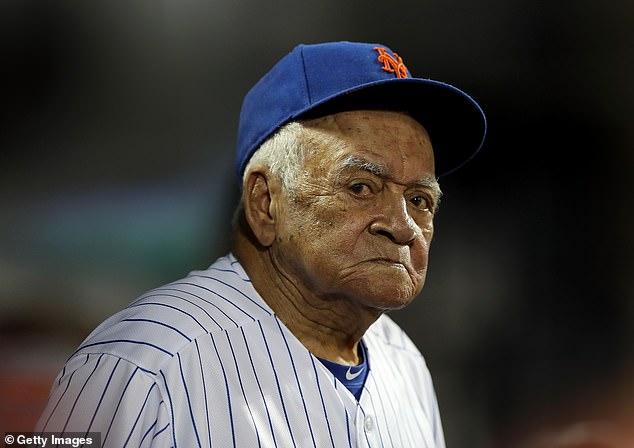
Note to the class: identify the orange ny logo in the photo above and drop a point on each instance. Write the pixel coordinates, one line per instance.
(392, 64)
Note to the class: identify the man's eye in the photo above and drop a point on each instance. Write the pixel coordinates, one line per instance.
(360, 189)
(419, 202)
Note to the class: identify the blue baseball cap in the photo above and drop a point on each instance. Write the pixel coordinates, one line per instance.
(321, 79)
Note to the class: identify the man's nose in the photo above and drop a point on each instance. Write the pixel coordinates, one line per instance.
(394, 222)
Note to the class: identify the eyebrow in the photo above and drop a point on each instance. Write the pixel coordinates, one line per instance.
(358, 163)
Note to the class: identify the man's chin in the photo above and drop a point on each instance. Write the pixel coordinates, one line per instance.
(389, 303)
(381, 284)
(392, 294)
(395, 275)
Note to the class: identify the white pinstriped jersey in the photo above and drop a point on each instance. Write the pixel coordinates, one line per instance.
(204, 361)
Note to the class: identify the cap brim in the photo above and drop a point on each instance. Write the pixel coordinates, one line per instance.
(455, 122)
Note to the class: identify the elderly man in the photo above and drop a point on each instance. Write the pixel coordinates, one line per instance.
(284, 342)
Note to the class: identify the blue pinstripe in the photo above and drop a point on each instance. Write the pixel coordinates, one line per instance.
(217, 295)
(136, 421)
(103, 394)
(62, 375)
(160, 431)
(202, 377)
(133, 377)
(366, 434)
(62, 396)
(277, 383)
(348, 428)
(126, 341)
(394, 371)
(382, 404)
(169, 398)
(312, 435)
(378, 427)
(200, 307)
(239, 292)
(158, 323)
(171, 307)
(147, 433)
(81, 391)
(257, 380)
(224, 374)
(323, 405)
(244, 395)
(103, 442)
(200, 298)
(189, 402)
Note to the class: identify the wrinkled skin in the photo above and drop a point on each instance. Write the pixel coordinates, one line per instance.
(351, 241)
(349, 233)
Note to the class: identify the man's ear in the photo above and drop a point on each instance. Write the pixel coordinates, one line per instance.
(260, 198)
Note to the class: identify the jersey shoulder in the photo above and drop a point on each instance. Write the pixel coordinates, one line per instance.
(155, 327)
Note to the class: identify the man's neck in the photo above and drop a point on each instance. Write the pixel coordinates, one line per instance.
(330, 328)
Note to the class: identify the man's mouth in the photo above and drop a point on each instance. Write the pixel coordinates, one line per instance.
(388, 262)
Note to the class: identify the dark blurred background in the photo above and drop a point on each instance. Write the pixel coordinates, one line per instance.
(117, 136)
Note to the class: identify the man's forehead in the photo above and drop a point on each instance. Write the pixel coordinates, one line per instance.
(363, 129)
(385, 143)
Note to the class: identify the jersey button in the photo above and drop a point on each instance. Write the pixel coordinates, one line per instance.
(368, 423)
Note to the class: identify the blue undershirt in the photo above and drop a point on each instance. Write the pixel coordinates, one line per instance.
(353, 377)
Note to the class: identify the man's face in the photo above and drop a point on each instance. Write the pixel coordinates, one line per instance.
(359, 225)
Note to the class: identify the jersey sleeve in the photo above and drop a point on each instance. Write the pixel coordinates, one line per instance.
(108, 395)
